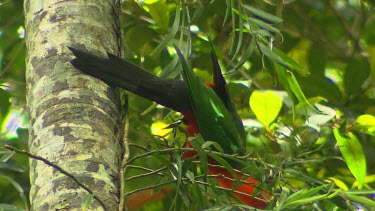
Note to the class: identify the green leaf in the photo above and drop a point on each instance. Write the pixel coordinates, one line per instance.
(368, 180)
(293, 65)
(281, 71)
(264, 25)
(233, 37)
(292, 87)
(196, 143)
(240, 36)
(172, 32)
(351, 150)
(246, 55)
(266, 106)
(227, 10)
(295, 87)
(278, 56)
(207, 144)
(305, 196)
(6, 155)
(18, 188)
(171, 70)
(338, 183)
(263, 15)
(198, 12)
(307, 200)
(362, 200)
(366, 124)
(12, 167)
(225, 164)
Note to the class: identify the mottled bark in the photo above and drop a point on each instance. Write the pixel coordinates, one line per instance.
(75, 119)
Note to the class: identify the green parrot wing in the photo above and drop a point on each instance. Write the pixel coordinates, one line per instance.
(214, 120)
(222, 91)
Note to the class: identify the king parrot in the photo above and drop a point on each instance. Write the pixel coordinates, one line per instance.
(206, 107)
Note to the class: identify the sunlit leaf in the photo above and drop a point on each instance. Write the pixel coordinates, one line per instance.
(266, 106)
(160, 128)
(368, 180)
(365, 123)
(338, 183)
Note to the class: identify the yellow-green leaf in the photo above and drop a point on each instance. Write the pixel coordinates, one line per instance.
(266, 106)
(365, 123)
(368, 180)
(338, 183)
(160, 128)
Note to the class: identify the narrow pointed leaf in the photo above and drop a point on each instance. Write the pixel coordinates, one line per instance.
(249, 51)
(264, 25)
(225, 164)
(264, 15)
(351, 150)
(278, 56)
(172, 32)
(201, 153)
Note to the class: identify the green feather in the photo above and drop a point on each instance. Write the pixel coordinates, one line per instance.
(214, 120)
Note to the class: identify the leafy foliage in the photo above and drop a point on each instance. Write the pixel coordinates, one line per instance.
(315, 149)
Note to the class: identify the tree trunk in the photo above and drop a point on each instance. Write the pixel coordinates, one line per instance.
(75, 119)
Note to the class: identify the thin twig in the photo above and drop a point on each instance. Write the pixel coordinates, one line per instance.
(194, 181)
(57, 168)
(122, 203)
(155, 172)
